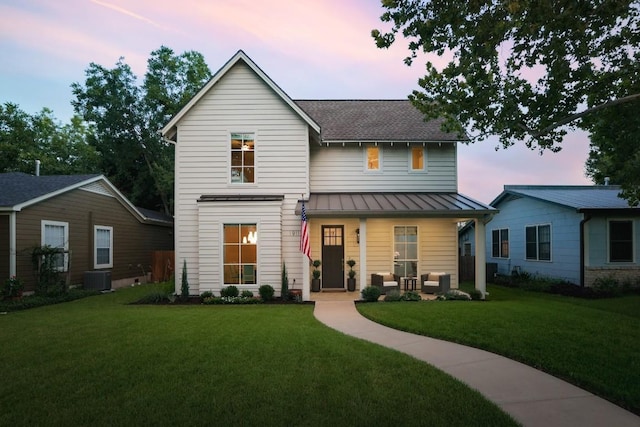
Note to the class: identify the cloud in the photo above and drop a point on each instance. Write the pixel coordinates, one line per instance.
(128, 13)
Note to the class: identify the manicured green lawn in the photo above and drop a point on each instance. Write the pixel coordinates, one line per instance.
(99, 361)
(594, 344)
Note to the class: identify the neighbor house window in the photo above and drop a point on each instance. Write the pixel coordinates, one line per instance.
(620, 241)
(417, 158)
(373, 158)
(538, 242)
(405, 247)
(500, 243)
(242, 158)
(103, 247)
(240, 254)
(55, 234)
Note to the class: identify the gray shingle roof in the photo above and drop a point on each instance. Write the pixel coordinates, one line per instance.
(373, 120)
(579, 197)
(393, 204)
(18, 187)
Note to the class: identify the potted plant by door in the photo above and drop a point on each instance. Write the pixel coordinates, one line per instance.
(315, 282)
(351, 281)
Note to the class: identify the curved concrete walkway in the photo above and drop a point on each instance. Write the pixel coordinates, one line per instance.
(532, 397)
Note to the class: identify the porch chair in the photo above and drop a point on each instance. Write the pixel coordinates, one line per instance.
(385, 281)
(433, 283)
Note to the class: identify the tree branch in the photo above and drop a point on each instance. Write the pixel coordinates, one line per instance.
(573, 117)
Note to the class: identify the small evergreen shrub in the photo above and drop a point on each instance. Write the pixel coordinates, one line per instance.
(393, 295)
(205, 295)
(229, 291)
(246, 294)
(184, 288)
(371, 293)
(266, 292)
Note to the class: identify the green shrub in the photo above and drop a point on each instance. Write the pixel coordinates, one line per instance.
(154, 297)
(184, 288)
(34, 301)
(393, 295)
(229, 291)
(205, 294)
(246, 294)
(266, 292)
(411, 296)
(475, 294)
(606, 286)
(371, 293)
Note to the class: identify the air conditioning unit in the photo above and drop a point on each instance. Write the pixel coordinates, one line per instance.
(97, 280)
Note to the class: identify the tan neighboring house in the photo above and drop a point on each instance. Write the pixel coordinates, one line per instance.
(379, 186)
(85, 216)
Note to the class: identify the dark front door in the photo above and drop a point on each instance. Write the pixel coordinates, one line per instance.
(333, 256)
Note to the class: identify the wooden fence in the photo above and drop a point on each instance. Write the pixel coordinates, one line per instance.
(466, 268)
(162, 265)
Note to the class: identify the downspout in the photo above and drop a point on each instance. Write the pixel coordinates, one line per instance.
(586, 218)
(13, 250)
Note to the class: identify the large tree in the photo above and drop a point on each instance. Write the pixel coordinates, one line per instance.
(61, 149)
(127, 118)
(522, 70)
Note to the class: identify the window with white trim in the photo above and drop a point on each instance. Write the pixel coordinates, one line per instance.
(500, 243)
(240, 254)
(55, 234)
(538, 242)
(620, 241)
(243, 151)
(405, 247)
(102, 246)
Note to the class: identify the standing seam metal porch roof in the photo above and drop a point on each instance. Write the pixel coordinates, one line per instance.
(393, 204)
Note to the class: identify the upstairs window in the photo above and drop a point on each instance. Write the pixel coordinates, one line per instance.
(373, 159)
(417, 158)
(620, 241)
(500, 243)
(538, 242)
(242, 158)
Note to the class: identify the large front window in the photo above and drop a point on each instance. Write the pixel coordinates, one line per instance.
(620, 241)
(538, 242)
(500, 243)
(240, 254)
(242, 158)
(405, 247)
(55, 234)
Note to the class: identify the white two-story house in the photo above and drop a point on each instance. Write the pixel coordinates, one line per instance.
(379, 186)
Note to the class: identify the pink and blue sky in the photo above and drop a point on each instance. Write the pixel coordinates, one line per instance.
(313, 49)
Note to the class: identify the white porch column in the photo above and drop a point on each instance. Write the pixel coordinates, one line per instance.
(363, 254)
(12, 245)
(481, 266)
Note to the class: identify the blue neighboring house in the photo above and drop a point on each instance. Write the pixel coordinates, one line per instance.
(573, 233)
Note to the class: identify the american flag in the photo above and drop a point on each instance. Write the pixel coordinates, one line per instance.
(305, 246)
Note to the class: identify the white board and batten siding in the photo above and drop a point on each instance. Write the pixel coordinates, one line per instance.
(239, 102)
(342, 169)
